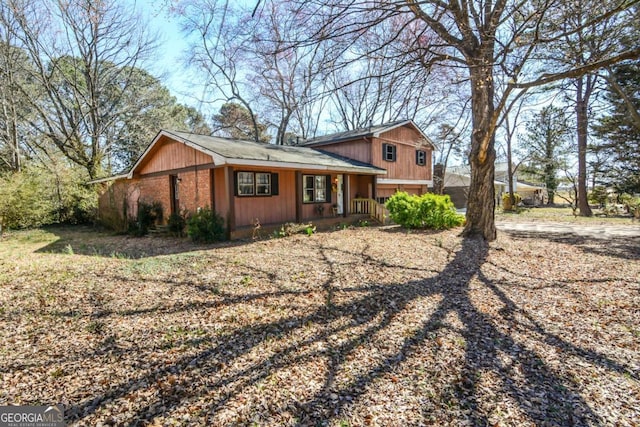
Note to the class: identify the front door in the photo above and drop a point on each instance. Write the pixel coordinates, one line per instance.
(340, 194)
(175, 194)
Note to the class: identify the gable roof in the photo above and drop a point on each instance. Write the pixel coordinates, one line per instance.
(372, 131)
(226, 151)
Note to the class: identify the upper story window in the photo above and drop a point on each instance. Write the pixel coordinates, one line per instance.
(421, 157)
(389, 152)
(256, 184)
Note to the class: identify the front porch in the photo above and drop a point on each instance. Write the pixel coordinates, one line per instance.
(359, 210)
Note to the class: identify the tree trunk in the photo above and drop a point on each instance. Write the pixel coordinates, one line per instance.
(582, 102)
(481, 200)
(512, 197)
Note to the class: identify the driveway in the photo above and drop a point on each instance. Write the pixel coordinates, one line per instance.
(597, 231)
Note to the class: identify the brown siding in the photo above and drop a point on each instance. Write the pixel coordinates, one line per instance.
(360, 186)
(388, 190)
(170, 155)
(404, 134)
(220, 192)
(405, 166)
(268, 210)
(357, 150)
(369, 150)
(407, 141)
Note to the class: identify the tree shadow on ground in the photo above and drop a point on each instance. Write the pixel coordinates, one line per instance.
(544, 396)
(86, 240)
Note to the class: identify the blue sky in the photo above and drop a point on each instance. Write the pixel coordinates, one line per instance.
(168, 64)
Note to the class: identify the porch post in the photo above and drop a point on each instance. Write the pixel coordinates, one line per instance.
(230, 186)
(298, 196)
(212, 190)
(345, 195)
(374, 187)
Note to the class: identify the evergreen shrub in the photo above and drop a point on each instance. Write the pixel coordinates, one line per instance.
(426, 211)
(206, 226)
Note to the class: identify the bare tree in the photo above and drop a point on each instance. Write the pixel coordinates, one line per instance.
(490, 41)
(222, 34)
(586, 38)
(83, 54)
(14, 69)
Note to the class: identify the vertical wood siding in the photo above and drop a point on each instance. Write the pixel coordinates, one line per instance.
(170, 155)
(407, 140)
(405, 166)
(268, 210)
(220, 192)
(357, 150)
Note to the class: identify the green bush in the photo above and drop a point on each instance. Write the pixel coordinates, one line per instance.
(148, 214)
(427, 211)
(599, 196)
(206, 226)
(39, 196)
(632, 204)
(176, 224)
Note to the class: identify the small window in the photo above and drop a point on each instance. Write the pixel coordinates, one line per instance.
(389, 152)
(256, 184)
(246, 184)
(421, 157)
(315, 188)
(263, 184)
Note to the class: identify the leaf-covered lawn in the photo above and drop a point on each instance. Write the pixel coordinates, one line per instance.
(356, 327)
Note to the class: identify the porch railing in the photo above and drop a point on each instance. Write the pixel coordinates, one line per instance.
(370, 207)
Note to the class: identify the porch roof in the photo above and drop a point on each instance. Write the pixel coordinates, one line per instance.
(226, 151)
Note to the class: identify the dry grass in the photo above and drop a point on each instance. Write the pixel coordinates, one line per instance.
(350, 328)
(564, 215)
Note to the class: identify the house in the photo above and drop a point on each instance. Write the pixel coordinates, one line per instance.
(458, 178)
(330, 178)
(400, 148)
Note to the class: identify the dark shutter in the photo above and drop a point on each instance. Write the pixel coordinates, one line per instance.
(235, 183)
(417, 157)
(385, 151)
(327, 193)
(274, 184)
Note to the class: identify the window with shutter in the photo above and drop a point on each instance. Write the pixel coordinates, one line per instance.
(256, 184)
(389, 152)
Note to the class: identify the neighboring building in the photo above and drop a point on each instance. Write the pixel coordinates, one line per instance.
(248, 183)
(458, 178)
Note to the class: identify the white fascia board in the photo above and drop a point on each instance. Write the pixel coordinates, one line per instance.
(405, 181)
(288, 165)
(397, 125)
(426, 138)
